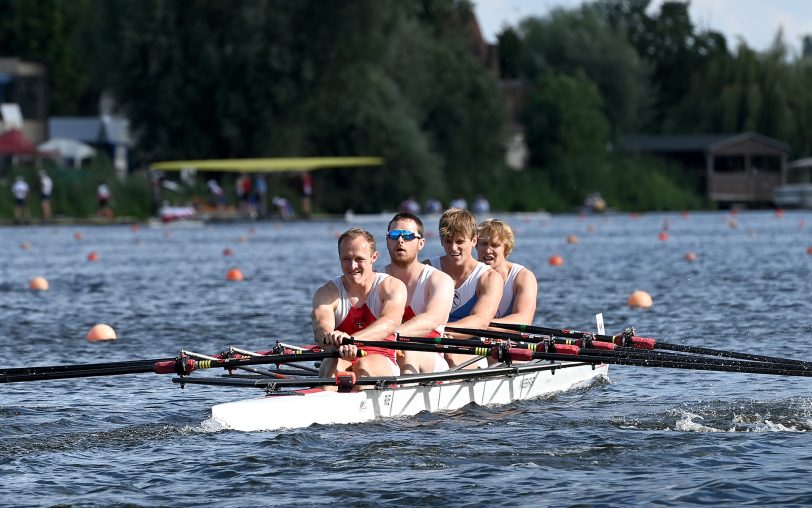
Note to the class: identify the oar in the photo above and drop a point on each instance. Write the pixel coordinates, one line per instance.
(599, 347)
(741, 367)
(628, 339)
(181, 365)
(480, 341)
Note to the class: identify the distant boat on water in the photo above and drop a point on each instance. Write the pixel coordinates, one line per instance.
(797, 193)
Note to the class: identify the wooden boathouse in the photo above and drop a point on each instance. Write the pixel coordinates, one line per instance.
(729, 168)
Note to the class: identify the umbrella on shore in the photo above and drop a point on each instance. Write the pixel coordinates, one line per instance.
(68, 149)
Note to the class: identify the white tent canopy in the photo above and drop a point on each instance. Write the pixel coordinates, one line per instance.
(68, 149)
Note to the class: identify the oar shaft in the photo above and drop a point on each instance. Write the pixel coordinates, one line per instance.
(647, 343)
(670, 364)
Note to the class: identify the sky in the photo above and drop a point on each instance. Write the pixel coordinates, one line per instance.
(755, 21)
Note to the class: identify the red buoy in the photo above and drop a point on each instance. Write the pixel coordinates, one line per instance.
(234, 274)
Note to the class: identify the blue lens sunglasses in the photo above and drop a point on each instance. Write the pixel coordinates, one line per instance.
(405, 233)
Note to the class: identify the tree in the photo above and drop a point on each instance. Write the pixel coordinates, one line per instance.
(581, 40)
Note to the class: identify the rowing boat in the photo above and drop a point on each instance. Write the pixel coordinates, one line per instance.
(405, 395)
(532, 362)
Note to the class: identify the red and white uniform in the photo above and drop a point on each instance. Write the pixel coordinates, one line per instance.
(352, 319)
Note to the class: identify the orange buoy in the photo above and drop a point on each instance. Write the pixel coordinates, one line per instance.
(634, 215)
(93, 256)
(684, 214)
(101, 332)
(572, 238)
(691, 256)
(663, 236)
(228, 252)
(779, 213)
(556, 260)
(77, 235)
(25, 245)
(809, 250)
(640, 299)
(38, 284)
(234, 274)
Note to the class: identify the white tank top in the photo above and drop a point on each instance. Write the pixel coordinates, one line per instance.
(465, 295)
(373, 301)
(418, 303)
(508, 295)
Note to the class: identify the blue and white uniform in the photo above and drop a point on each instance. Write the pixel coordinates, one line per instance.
(509, 295)
(465, 296)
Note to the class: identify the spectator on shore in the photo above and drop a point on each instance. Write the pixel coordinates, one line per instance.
(481, 205)
(261, 190)
(410, 205)
(243, 187)
(459, 202)
(218, 197)
(433, 206)
(20, 192)
(103, 196)
(307, 193)
(46, 188)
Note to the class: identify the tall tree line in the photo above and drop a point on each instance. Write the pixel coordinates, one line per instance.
(398, 79)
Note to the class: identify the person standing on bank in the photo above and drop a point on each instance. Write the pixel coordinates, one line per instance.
(20, 192)
(46, 188)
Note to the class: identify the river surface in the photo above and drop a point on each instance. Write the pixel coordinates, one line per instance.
(646, 436)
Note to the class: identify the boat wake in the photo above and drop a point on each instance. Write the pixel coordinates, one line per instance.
(789, 415)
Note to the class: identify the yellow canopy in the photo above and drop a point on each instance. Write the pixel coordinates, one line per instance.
(272, 165)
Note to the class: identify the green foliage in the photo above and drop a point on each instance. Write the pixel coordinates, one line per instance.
(580, 40)
(564, 119)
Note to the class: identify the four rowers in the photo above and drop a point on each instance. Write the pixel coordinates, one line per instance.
(417, 299)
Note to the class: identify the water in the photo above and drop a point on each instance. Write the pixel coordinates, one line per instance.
(647, 436)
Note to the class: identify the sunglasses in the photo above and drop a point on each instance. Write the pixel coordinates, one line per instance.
(405, 233)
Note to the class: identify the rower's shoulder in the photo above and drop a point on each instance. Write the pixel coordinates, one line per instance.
(326, 293)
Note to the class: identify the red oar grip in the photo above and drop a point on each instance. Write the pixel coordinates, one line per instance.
(564, 349)
(643, 343)
(174, 367)
(598, 344)
(520, 354)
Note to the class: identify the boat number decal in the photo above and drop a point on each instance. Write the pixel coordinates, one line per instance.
(363, 405)
(527, 383)
(387, 399)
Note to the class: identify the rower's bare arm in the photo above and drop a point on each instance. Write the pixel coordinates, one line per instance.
(489, 294)
(393, 297)
(525, 290)
(323, 316)
(438, 307)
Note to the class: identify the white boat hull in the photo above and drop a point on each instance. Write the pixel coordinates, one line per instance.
(307, 407)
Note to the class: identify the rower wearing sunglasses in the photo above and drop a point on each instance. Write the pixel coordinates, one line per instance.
(477, 288)
(495, 242)
(429, 292)
(360, 303)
